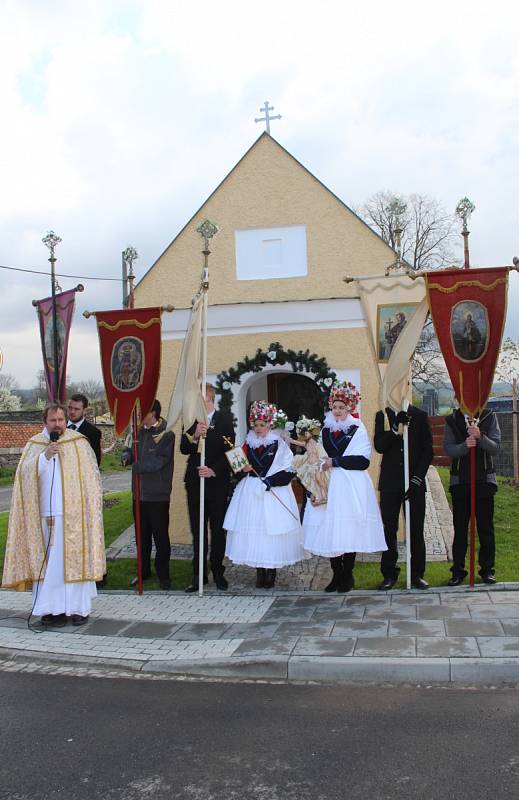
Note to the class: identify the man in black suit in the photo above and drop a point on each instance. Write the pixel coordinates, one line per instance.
(390, 442)
(76, 408)
(217, 476)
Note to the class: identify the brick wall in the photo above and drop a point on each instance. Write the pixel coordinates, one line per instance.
(437, 426)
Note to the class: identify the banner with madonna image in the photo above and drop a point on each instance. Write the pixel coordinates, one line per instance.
(130, 345)
(468, 309)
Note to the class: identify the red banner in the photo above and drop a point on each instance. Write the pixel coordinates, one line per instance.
(130, 342)
(468, 308)
(50, 348)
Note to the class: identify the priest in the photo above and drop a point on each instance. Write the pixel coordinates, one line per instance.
(55, 538)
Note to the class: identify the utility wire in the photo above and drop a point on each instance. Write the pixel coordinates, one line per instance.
(60, 274)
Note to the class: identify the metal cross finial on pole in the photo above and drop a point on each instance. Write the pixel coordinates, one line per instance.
(464, 210)
(207, 230)
(266, 119)
(51, 240)
(128, 257)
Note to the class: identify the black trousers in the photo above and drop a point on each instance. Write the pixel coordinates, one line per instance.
(390, 504)
(215, 506)
(485, 525)
(155, 527)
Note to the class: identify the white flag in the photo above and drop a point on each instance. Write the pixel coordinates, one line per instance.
(187, 399)
(395, 385)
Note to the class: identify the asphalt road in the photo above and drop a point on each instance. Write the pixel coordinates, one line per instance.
(88, 738)
(112, 482)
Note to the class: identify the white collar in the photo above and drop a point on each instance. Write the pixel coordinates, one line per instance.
(77, 424)
(254, 441)
(339, 425)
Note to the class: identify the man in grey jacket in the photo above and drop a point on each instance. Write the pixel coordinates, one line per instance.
(155, 469)
(461, 435)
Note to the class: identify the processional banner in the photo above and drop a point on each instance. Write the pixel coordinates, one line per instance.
(64, 312)
(468, 308)
(130, 346)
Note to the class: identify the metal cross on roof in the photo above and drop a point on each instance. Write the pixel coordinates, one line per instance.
(266, 119)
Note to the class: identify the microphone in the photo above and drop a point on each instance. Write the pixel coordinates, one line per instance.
(54, 436)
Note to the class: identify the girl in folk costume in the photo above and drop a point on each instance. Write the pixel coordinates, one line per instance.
(350, 521)
(263, 530)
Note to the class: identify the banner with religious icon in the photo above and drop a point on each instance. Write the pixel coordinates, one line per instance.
(130, 345)
(468, 308)
(52, 344)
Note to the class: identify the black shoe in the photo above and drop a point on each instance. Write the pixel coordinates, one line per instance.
(333, 585)
(58, 620)
(490, 578)
(260, 578)
(165, 585)
(419, 583)
(193, 586)
(47, 619)
(77, 619)
(220, 582)
(387, 584)
(346, 583)
(270, 578)
(456, 580)
(102, 582)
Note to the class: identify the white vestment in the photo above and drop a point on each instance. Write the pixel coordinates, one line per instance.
(53, 595)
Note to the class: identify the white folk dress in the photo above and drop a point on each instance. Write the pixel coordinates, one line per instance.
(53, 595)
(350, 522)
(261, 532)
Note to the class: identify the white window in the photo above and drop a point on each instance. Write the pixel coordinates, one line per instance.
(263, 253)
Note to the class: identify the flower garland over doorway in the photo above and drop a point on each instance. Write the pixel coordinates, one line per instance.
(300, 361)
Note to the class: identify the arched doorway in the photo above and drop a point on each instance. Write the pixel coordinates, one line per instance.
(296, 395)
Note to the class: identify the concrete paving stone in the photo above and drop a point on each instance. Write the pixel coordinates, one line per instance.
(194, 632)
(320, 646)
(404, 612)
(443, 612)
(485, 670)
(417, 598)
(498, 611)
(368, 600)
(510, 627)
(504, 597)
(286, 614)
(498, 646)
(18, 622)
(361, 628)
(266, 647)
(473, 627)
(329, 601)
(103, 627)
(415, 627)
(342, 613)
(272, 667)
(402, 670)
(382, 646)
(448, 647)
(305, 628)
(284, 602)
(465, 596)
(150, 630)
(251, 630)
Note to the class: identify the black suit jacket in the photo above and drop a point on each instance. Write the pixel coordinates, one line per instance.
(93, 435)
(391, 445)
(215, 448)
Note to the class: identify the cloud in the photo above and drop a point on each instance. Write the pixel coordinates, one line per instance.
(124, 116)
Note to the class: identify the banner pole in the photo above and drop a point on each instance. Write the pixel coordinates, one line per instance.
(472, 515)
(407, 509)
(135, 446)
(201, 522)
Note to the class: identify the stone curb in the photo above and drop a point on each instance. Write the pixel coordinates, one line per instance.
(318, 669)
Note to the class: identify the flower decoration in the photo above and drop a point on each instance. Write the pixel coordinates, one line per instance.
(280, 419)
(328, 382)
(260, 409)
(346, 392)
(272, 355)
(305, 424)
(226, 385)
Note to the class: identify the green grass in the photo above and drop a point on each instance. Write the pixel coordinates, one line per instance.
(111, 462)
(7, 476)
(118, 517)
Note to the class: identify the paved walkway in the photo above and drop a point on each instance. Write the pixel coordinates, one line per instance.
(440, 635)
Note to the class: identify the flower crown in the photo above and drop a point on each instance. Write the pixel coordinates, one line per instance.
(260, 409)
(305, 424)
(346, 392)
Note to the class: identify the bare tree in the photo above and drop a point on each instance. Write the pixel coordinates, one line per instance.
(93, 389)
(8, 382)
(428, 232)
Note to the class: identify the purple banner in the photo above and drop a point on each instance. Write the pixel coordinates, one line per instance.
(64, 312)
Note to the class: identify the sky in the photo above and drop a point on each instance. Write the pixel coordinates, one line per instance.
(120, 118)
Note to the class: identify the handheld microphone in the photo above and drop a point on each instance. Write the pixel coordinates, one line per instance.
(54, 436)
